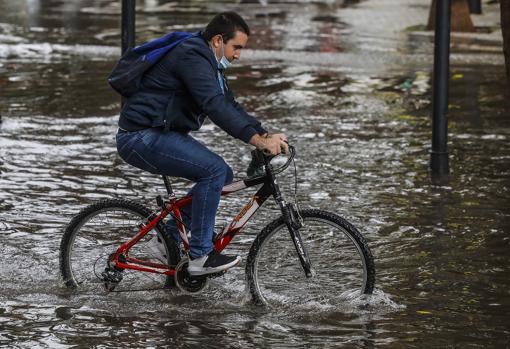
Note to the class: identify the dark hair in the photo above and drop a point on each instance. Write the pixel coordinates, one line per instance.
(226, 24)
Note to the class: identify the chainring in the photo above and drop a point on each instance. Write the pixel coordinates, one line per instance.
(186, 282)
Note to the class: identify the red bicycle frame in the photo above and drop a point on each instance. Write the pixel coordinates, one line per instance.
(173, 206)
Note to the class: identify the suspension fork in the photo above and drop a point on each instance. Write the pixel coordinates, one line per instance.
(292, 221)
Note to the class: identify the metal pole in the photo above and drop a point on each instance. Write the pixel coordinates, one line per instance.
(475, 6)
(127, 28)
(439, 154)
(128, 24)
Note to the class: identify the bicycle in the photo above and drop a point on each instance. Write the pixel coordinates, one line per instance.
(115, 243)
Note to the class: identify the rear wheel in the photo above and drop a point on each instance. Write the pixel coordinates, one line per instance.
(98, 231)
(341, 260)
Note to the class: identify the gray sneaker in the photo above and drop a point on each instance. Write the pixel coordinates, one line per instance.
(212, 263)
(157, 248)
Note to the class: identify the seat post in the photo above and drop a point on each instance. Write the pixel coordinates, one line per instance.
(168, 186)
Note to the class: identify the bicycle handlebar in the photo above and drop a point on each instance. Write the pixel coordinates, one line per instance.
(292, 154)
(260, 158)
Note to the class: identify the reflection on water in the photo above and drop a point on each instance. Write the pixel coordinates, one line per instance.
(362, 132)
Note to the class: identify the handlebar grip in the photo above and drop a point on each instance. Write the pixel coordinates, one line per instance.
(259, 158)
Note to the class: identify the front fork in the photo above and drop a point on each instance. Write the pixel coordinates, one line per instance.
(294, 222)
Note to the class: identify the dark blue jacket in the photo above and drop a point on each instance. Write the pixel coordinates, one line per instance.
(181, 90)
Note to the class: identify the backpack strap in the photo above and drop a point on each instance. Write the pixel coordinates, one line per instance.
(127, 74)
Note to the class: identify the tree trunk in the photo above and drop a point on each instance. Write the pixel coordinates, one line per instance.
(461, 19)
(505, 28)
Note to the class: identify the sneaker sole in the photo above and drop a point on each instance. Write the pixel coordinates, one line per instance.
(205, 271)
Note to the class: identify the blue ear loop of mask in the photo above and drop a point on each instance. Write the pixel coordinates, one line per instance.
(223, 62)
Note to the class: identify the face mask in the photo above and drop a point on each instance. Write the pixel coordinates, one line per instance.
(223, 63)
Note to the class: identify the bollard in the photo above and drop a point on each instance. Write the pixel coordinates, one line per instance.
(128, 24)
(439, 155)
(475, 6)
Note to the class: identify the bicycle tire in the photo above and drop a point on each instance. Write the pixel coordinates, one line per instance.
(343, 264)
(97, 231)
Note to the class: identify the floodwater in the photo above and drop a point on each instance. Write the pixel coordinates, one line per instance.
(352, 91)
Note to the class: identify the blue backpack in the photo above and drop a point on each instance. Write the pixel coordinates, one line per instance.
(127, 74)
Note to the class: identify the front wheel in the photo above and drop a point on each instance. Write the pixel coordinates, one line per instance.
(342, 263)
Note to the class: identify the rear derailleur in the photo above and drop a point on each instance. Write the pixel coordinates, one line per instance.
(112, 275)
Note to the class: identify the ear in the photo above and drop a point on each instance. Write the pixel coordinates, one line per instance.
(216, 40)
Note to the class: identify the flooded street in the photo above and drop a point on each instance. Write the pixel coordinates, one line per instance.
(351, 88)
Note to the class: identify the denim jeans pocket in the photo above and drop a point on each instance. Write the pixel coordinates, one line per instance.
(138, 161)
(148, 137)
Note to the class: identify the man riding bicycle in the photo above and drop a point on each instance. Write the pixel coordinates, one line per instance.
(175, 96)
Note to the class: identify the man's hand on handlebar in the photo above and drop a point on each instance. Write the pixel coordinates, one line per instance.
(274, 144)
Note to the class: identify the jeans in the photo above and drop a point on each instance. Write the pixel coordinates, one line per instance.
(180, 155)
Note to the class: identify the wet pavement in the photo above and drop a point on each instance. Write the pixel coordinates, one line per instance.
(350, 84)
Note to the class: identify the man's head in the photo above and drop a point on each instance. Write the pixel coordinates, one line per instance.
(227, 30)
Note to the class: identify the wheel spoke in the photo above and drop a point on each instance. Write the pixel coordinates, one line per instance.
(337, 255)
(98, 232)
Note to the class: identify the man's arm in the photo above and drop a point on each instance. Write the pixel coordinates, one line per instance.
(199, 76)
